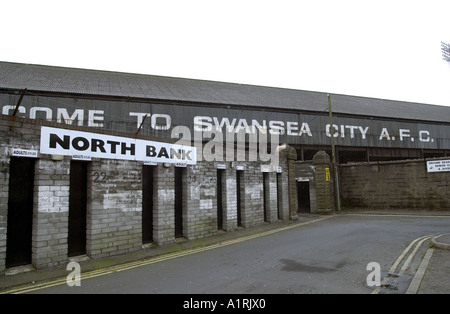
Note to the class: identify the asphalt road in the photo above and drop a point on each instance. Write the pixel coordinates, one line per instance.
(327, 256)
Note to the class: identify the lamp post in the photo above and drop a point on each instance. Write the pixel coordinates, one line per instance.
(333, 159)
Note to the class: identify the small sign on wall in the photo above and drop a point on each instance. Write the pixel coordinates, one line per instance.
(327, 174)
(81, 157)
(438, 165)
(17, 152)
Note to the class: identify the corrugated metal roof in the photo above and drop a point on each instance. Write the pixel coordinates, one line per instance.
(16, 76)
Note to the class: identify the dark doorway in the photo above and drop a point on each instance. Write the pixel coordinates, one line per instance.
(303, 197)
(147, 204)
(265, 194)
(239, 198)
(20, 212)
(219, 200)
(77, 208)
(178, 202)
(279, 194)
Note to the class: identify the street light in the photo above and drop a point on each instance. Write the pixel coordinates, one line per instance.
(333, 160)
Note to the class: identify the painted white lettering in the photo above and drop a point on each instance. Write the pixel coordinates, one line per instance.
(292, 128)
(404, 133)
(327, 130)
(242, 125)
(7, 109)
(94, 116)
(352, 129)
(63, 115)
(224, 121)
(305, 129)
(424, 136)
(161, 126)
(384, 134)
(235, 125)
(261, 128)
(140, 117)
(276, 127)
(202, 123)
(47, 111)
(363, 131)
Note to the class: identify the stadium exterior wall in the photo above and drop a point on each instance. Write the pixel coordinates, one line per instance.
(114, 213)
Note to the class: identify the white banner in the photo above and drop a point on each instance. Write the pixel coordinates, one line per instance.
(88, 145)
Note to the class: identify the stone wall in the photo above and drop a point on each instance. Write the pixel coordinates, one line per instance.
(395, 185)
(115, 198)
(114, 207)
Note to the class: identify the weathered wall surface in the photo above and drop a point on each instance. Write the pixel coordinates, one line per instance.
(397, 185)
(114, 209)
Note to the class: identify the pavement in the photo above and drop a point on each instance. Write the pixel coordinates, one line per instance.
(436, 278)
(432, 277)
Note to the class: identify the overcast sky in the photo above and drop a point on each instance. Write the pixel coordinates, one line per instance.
(381, 49)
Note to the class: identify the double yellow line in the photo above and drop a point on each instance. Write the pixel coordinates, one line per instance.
(127, 266)
(392, 271)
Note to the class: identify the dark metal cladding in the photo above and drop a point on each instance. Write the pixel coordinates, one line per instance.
(15, 76)
(124, 102)
(293, 128)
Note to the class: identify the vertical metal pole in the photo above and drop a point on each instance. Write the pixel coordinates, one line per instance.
(19, 102)
(333, 158)
(140, 126)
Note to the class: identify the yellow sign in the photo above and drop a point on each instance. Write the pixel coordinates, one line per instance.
(327, 174)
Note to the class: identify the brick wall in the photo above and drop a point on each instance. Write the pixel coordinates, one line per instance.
(290, 154)
(323, 185)
(115, 196)
(251, 196)
(114, 207)
(4, 188)
(164, 199)
(398, 185)
(200, 182)
(51, 212)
